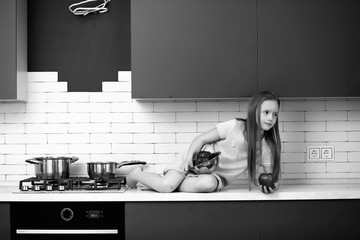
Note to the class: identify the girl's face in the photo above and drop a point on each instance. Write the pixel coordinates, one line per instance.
(268, 114)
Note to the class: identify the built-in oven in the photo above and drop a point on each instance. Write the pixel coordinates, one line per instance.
(67, 221)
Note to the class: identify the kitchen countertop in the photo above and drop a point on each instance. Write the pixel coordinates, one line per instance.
(230, 193)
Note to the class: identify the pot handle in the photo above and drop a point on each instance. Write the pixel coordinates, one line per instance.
(33, 161)
(126, 163)
(74, 159)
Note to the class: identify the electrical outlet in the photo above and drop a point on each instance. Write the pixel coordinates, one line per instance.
(318, 153)
(313, 153)
(327, 153)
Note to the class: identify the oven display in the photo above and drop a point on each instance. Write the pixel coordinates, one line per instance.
(94, 214)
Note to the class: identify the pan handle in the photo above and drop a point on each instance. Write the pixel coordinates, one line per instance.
(33, 161)
(74, 159)
(126, 163)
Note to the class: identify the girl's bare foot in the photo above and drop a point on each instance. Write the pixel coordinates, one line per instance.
(131, 179)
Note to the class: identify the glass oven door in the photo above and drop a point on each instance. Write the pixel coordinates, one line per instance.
(67, 221)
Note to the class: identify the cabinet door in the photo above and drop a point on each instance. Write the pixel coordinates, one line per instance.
(192, 220)
(324, 219)
(309, 48)
(13, 49)
(5, 221)
(8, 49)
(193, 48)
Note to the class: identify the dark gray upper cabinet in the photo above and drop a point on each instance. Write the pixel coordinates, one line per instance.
(193, 48)
(309, 48)
(13, 49)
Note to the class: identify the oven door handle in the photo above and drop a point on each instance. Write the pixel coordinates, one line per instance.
(67, 231)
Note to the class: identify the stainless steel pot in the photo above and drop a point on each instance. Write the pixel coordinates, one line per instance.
(107, 170)
(52, 167)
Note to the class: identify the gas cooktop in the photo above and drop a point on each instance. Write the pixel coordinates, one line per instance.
(72, 185)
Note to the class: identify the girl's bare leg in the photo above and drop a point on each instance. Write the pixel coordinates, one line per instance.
(199, 183)
(167, 183)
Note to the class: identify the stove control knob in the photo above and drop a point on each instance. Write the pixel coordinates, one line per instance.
(49, 188)
(37, 187)
(61, 188)
(67, 214)
(24, 188)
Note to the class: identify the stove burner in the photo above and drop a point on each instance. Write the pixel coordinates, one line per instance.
(72, 183)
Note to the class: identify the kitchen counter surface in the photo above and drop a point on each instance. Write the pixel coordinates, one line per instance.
(230, 193)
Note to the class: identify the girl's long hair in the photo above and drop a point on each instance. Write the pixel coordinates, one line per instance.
(252, 133)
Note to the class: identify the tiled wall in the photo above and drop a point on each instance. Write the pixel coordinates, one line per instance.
(110, 126)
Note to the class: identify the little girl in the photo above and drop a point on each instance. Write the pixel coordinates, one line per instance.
(244, 145)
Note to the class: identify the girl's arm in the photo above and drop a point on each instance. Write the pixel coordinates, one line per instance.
(196, 144)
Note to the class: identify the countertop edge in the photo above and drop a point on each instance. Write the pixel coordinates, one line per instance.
(233, 193)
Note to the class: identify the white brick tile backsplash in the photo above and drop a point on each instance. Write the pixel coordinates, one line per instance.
(343, 105)
(174, 127)
(303, 105)
(185, 137)
(132, 107)
(89, 107)
(68, 138)
(13, 169)
(346, 146)
(170, 148)
(42, 76)
(174, 106)
(315, 167)
(46, 107)
(132, 128)
(133, 148)
(325, 136)
(42, 87)
(224, 116)
(111, 138)
(354, 115)
(197, 116)
(290, 157)
(26, 118)
(89, 128)
(110, 126)
(46, 128)
(154, 138)
(89, 148)
(12, 107)
(110, 97)
(111, 117)
(343, 126)
(292, 136)
(12, 128)
(116, 86)
(218, 106)
(36, 97)
(326, 116)
(124, 76)
(25, 138)
(295, 168)
(354, 156)
(68, 97)
(68, 117)
(304, 126)
(47, 149)
(154, 117)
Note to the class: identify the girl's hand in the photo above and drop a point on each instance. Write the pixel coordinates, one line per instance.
(186, 164)
(267, 183)
(267, 189)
